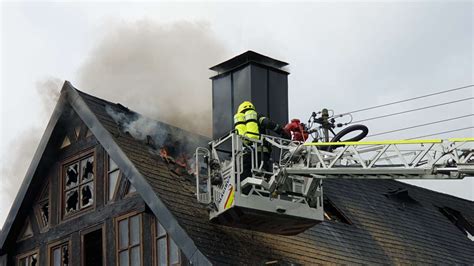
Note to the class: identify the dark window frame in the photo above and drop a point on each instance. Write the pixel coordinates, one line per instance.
(38, 212)
(60, 243)
(104, 238)
(157, 237)
(62, 172)
(107, 172)
(129, 247)
(26, 255)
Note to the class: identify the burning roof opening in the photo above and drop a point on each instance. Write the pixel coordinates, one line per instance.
(172, 144)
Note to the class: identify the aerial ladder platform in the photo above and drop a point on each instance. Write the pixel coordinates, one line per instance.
(287, 199)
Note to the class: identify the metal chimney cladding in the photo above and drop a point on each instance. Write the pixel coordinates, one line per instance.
(249, 76)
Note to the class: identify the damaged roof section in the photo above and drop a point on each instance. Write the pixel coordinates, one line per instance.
(459, 221)
(377, 232)
(377, 227)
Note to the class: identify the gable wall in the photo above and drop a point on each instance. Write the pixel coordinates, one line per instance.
(101, 214)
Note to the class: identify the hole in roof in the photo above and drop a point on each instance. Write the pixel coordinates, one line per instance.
(459, 221)
(332, 213)
(402, 196)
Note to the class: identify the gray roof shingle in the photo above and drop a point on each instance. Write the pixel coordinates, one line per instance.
(383, 230)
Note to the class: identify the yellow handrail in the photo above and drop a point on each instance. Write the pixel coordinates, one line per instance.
(461, 139)
(375, 142)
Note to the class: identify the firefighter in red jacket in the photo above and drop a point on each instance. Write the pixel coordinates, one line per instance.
(248, 123)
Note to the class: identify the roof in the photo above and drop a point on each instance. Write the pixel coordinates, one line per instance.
(384, 229)
(246, 58)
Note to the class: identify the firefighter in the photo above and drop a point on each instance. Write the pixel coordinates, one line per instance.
(248, 123)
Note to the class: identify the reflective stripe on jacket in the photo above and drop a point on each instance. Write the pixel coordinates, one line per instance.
(239, 124)
(251, 124)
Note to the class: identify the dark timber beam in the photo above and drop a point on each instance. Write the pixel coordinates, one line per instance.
(169, 222)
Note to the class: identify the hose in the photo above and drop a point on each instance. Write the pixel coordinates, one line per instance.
(337, 138)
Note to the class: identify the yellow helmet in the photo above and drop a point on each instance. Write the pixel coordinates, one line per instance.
(245, 106)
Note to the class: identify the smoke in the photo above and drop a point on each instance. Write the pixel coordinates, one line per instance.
(158, 70)
(20, 151)
(156, 134)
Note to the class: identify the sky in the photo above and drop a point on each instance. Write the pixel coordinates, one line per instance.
(343, 56)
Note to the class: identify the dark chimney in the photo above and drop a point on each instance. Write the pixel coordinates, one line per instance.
(249, 76)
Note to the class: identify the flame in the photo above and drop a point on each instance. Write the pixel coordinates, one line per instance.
(164, 154)
(182, 162)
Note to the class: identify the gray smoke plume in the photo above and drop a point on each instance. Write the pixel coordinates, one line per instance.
(156, 134)
(160, 71)
(20, 151)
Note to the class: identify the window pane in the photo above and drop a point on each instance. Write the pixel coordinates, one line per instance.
(112, 164)
(123, 257)
(23, 262)
(113, 178)
(87, 169)
(87, 195)
(72, 174)
(57, 257)
(135, 256)
(72, 201)
(44, 213)
(162, 251)
(135, 230)
(123, 234)
(34, 260)
(174, 252)
(160, 231)
(65, 255)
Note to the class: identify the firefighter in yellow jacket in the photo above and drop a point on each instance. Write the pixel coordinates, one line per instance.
(248, 123)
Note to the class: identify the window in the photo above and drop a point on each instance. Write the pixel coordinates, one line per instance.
(78, 184)
(28, 259)
(42, 207)
(129, 240)
(113, 179)
(59, 254)
(92, 247)
(167, 252)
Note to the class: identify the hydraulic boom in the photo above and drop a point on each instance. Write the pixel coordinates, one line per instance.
(288, 197)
